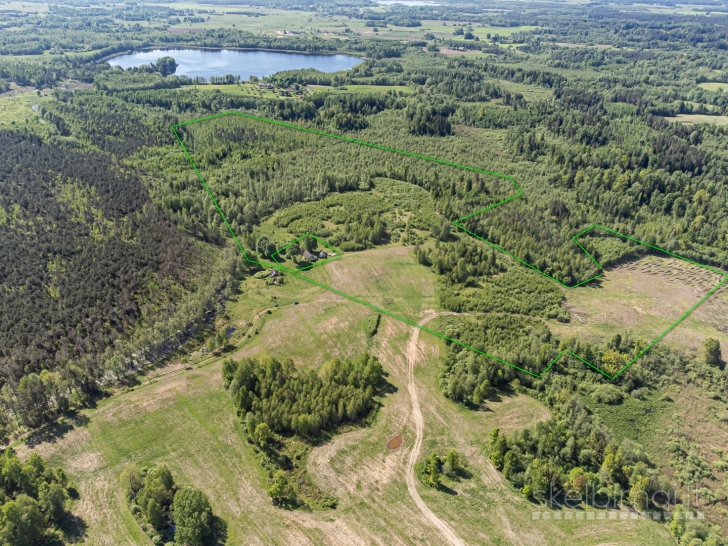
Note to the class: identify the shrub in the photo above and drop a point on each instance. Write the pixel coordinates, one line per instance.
(373, 324)
(607, 394)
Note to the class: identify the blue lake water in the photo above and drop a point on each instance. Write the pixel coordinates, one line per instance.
(206, 63)
(407, 2)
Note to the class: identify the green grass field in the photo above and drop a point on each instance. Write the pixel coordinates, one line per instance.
(714, 86)
(362, 89)
(245, 89)
(186, 420)
(21, 108)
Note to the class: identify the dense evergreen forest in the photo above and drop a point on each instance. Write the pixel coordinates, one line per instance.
(112, 254)
(92, 272)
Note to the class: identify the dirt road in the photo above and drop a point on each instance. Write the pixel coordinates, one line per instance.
(412, 355)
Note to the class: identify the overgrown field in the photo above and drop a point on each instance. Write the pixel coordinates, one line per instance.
(645, 297)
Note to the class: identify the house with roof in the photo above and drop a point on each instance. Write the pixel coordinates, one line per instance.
(309, 257)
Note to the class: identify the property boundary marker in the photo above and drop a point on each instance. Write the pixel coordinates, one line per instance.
(459, 224)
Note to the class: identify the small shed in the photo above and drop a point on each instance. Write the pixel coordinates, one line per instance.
(322, 255)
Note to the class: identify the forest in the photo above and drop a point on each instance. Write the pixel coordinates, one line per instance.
(273, 393)
(286, 411)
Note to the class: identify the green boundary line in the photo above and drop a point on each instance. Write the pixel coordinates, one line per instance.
(337, 253)
(459, 224)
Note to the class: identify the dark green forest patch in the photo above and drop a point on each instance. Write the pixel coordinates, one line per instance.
(286, 412)
(85, 255)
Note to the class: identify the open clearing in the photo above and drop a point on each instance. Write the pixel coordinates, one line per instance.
(362, 89)
(699, 118)
(187, 421)
(19, 105)
(244, 89)
(714, 86)
(645, 297)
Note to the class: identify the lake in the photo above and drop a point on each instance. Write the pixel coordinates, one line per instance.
(407, 2)
(206, 63)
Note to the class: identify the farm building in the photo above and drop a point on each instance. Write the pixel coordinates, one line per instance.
(309, 257)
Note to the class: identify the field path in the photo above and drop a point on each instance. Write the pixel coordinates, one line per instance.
(412, 355)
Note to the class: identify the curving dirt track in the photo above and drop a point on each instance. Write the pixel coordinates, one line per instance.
(412, 355)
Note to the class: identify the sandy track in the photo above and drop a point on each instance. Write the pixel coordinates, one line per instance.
(412, 355)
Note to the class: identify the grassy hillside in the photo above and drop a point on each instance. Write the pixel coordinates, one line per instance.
(186, 420)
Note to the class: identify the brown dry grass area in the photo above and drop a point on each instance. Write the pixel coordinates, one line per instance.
(164, 396)
(646, 296)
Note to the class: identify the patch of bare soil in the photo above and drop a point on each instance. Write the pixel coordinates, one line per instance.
(395, 442)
